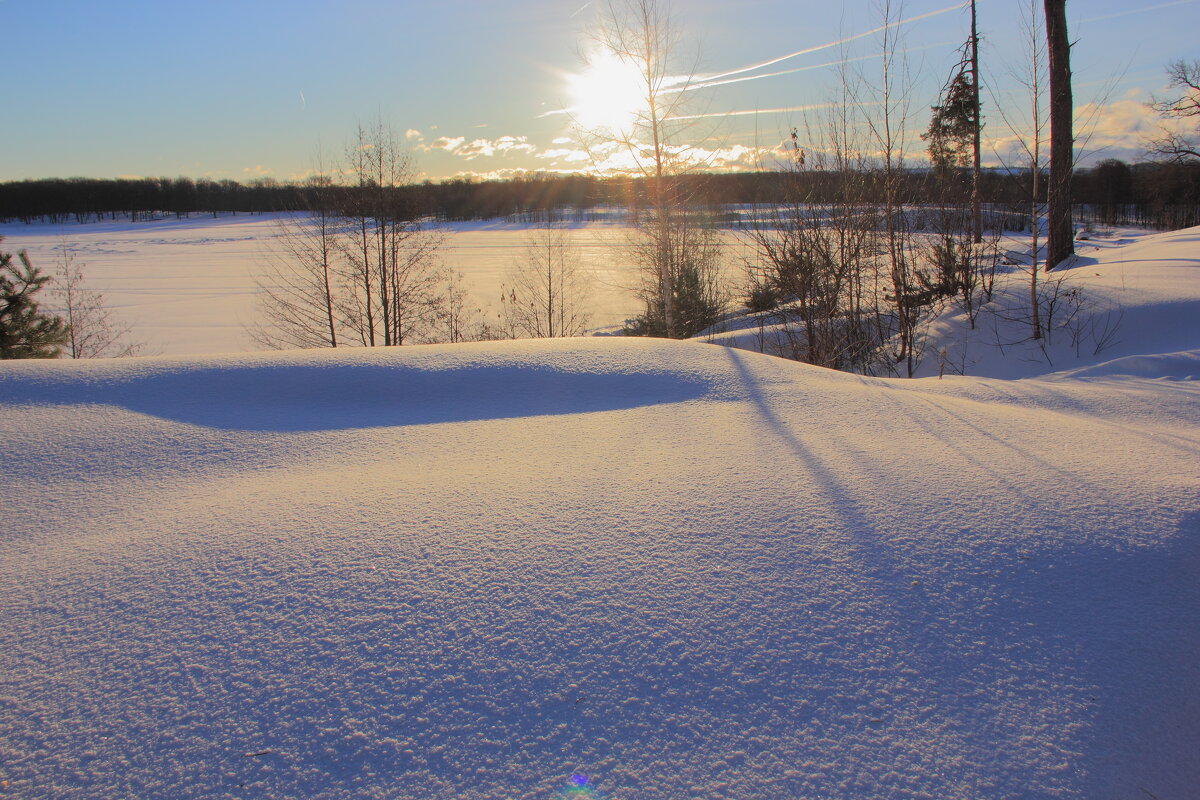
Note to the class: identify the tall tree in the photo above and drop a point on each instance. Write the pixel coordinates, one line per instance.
(977, 132)
(1060, 243)
(303, 278)
(955, 129)
(25, 330)
(640, 36)
(393, 253)
(889, 91)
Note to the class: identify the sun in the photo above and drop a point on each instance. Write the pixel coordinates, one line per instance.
(608, 95)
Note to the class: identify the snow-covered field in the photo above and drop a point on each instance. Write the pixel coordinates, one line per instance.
(608, 568)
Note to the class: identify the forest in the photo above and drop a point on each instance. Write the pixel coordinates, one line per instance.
(1161, 195)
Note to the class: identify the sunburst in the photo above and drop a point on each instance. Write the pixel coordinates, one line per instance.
(609, 95)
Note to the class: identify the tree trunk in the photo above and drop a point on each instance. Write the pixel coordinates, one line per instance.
(1060, 242)
(976, 167)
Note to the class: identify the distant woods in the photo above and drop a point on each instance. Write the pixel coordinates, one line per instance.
(1159, 195)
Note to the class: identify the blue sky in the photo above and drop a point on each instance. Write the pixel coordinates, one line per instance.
(256, 88)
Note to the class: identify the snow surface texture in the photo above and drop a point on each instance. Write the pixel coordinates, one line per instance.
(601, 568)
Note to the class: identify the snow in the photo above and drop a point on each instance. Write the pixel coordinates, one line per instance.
(628, 569)
(1131, 295)
(188, 286)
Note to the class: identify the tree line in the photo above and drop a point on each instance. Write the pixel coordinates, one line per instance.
(1164, 195)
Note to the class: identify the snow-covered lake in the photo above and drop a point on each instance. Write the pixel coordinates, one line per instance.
(189, 286)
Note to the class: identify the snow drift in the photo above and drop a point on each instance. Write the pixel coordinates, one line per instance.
(602, 567)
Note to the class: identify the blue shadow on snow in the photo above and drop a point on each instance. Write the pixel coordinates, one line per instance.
(313, 398)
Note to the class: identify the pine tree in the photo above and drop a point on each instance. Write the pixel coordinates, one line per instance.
(951, 131)
(25, 331)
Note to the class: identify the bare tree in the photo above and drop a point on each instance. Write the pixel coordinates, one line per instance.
(547, 290)
(93, 330)
(303, 277)
(1171, 143)
(456, 320)
(809, 261)
(1030, 136)
(359, 265)
(391, 251)
(888, 122)
(1061, 236)
(641, 35)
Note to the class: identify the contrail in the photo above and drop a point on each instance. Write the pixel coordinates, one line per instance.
(303, 102)
(719, 79)
(704, 83)
(1139, 10)
(785, 110)
(847, 39)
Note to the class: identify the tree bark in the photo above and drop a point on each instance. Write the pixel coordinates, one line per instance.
(1060, 243)
(976, 168)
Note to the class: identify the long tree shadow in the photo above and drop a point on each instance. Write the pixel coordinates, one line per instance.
(859, 529)
(320, 398)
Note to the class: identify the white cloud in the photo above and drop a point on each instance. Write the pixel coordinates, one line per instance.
(414, 135)
(447, 143)
(477, 148)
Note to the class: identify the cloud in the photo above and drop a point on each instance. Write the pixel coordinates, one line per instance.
(257, 171)
(1119, 129)
(568, 154)
(613, 158)
(414, 135)
(481, 148)
(503, 174)
(447, 143)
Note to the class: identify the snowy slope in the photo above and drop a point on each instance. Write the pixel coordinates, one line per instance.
(595, 568)
(1121, 296)
(1126, 293)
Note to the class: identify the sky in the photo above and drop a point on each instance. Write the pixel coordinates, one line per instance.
(266, 88)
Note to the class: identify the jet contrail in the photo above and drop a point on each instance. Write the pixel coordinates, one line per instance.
(719, 79)
(704, 83)
(847, 39)
(785, 110)
(1139, 10)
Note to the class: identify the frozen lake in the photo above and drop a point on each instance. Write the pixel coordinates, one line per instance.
(190, 286)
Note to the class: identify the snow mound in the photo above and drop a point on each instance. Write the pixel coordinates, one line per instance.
(1183, 366)
(593, 568)
(359, 391)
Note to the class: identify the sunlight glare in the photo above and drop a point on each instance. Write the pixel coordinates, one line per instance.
(609, 94)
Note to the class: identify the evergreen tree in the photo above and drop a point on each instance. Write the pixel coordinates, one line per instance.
(951, 133)
(25, 331)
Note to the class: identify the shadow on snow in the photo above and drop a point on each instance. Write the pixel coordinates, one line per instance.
(311, 398)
